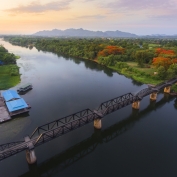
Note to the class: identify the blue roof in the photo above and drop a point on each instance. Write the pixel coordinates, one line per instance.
(10, 94)
(16, 105)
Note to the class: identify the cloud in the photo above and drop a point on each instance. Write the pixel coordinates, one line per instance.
(88, 0)
(149, 8)
(91, 17)
(137, 5)
(37, 7)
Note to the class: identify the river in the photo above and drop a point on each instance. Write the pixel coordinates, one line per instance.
(130, 144)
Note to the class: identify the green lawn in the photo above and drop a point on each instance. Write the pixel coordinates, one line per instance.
(150, 70)
(6, 80)
(143, 75)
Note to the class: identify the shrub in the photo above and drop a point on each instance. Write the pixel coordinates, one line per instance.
(161, 72)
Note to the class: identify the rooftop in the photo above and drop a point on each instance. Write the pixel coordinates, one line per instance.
(9, 95)
(16, 105)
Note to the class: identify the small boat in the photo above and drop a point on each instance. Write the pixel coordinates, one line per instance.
(24, 88)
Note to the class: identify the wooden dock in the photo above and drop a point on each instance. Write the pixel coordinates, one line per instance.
(14, 113)
(4, 114)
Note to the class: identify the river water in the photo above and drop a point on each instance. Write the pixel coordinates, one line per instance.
(130, 144)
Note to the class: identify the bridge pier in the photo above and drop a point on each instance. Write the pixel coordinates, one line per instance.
(167, 89)
(153, 96)
(97, 124)
(30, 153)
(136, 105)
(31, 157)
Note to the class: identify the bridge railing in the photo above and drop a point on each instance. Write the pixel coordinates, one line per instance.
(173, 79)
(60, 130)
(12, 150)
(60, 122)
(66, 124)
(9, 145)
(116, 103)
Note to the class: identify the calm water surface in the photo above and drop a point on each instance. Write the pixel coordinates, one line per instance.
(131, 143)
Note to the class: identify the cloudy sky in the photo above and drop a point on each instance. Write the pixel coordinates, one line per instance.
(139, 17)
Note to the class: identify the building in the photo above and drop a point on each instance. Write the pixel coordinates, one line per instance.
(14, 103)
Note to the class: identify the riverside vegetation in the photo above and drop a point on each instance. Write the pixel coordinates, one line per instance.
(148, 61)
(9, 71)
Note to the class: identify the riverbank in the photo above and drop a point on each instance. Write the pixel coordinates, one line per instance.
(9, 71)
(141, 75)
(9, 76)
(145, 75)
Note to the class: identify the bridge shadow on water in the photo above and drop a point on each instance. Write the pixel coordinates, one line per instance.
(68, 157)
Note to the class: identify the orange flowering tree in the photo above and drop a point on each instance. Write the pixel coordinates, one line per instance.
(109, 55)
(164, 58)
(165, 62)
(111, 50)
(165, 52)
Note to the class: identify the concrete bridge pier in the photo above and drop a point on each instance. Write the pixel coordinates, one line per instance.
(153, 96)
(31, 157)
(136, 105)
(97, 124)
(167, 89)
(30, 153)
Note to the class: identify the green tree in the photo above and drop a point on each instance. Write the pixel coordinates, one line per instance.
(172, 71)
(161, 72)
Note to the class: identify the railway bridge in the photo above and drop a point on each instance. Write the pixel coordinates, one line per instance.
(61, 126)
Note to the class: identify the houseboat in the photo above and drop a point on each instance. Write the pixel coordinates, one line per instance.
(11, 104)
(24, 88)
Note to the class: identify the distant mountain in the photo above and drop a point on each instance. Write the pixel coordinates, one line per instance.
(83, 33)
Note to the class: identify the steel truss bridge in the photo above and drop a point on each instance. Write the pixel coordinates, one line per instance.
(68, 157)
(61, 126)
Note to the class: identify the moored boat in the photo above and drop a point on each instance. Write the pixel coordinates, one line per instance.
(25, 88)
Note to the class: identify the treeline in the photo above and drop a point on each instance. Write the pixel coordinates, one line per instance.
(91, 48)
(6, 57)
(162, 53)
(9, 71)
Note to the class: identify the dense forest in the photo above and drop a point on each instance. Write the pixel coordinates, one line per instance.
(145, 60)
(6, 57)
(9, 71)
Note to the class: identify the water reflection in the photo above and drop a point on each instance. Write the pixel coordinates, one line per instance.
(136, 83)
(14, 127)
(53, 166)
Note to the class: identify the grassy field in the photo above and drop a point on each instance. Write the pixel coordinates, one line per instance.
(138, 77)
(7, 77)
(150, 70)
(148, 78)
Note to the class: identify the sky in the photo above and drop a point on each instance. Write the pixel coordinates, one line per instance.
(143, 17)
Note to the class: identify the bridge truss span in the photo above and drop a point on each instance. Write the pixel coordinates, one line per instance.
(61, 126)
(88, 117)
(117, 103)
(85, 115)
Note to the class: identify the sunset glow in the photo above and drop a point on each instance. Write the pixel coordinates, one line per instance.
(139, 17)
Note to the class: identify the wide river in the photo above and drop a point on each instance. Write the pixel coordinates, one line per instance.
(130, 144)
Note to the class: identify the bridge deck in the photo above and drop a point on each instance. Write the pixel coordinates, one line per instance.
(69, 123)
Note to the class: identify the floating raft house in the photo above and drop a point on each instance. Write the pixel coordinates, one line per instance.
(10, 95)
(11, 104)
